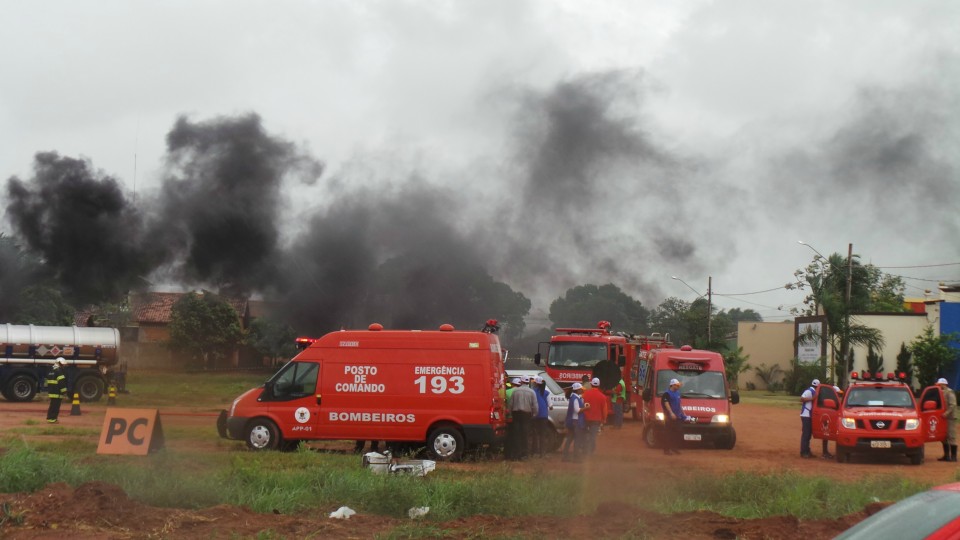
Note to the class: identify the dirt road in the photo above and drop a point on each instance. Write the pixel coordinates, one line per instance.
(767, 441)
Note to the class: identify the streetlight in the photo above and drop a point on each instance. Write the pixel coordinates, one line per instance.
(709, 302)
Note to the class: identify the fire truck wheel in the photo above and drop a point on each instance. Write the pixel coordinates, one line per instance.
(20, 388)
(445, 444)
(89, 388)
(262, 434)
(916, 458)
(635, 413)
(843, 455)
(651, 436)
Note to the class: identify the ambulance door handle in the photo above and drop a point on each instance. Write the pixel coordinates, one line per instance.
(318, 399)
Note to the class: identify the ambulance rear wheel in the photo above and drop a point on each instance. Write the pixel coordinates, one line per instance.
(843, 456)
(916, 458)
(651, 436)
(445, 444)
(262, 434)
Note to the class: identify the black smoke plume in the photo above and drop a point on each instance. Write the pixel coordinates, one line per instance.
(218, 212)
(81, 225)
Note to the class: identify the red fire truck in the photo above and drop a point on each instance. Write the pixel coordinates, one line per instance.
(598, 352)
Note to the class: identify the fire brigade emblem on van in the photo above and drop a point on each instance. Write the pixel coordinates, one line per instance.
(302, 415)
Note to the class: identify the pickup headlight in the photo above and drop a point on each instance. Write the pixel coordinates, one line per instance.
(912, 423)
(848, 423)
(659, 417)
(720, 419)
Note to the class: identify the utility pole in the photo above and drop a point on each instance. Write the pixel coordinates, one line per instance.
(710, 308)
(845, 343)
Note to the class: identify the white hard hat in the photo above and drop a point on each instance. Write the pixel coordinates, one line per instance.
(595, 381)
(941, 380)
(815, 382)
(577, 386)
(538, 379)
(61, 361)
(525, 379)
(674, 381)
(516, 380)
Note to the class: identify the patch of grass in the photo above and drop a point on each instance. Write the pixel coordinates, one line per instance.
(749, 496)
(22, 468)
(201, 391)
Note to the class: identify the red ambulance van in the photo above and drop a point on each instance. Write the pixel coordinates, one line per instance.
(444, 388)
(705, 394)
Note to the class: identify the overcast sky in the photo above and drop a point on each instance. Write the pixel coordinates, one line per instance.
(661, 139)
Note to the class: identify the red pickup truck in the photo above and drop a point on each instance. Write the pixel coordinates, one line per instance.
(879, 415)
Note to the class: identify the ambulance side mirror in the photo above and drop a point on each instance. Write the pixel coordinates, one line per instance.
(829, 403)
(536, 359)
(318, 399)
(929, 405)
(734, 397)
(646, 394)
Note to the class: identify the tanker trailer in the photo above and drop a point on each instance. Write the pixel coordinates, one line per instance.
(28, 353)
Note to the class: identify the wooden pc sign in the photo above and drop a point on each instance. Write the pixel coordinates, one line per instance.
(131, 431)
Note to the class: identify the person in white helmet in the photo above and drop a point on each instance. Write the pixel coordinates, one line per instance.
(56, 389)
(806, 422)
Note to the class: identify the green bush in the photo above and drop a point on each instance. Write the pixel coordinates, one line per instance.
(798, 378)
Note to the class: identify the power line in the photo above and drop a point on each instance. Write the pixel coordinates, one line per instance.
(921, 265)
(749, 293)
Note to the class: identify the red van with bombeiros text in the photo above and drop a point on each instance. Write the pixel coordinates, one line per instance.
(443, 388)
(705, 394)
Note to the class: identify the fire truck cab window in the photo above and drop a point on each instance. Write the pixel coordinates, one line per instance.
(294, 381)
(826, 393)
(577, 354)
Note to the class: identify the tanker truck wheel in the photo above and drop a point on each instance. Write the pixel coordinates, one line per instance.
(20, 388)
(651, 436)
(89, 388)
(445, 443)
(262, 434)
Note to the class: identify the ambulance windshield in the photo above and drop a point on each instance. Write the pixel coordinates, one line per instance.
(890, 396)
(694, 384)
(572, 354)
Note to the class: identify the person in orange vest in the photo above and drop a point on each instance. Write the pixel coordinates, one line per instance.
(596, 413)
(56, 389)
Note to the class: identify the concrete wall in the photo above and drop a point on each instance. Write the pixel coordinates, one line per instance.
(897, 328)
(767, 343)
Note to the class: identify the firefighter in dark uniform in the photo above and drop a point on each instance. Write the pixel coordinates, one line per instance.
(56, 388)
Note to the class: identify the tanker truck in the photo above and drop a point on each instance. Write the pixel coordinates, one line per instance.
(28, 353)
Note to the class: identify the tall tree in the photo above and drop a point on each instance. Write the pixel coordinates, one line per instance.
(205, 328)
(585, 305)
(932, 355)
(827, 280)
(671, 317)
(272, 339)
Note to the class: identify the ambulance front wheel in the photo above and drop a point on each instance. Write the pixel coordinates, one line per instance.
(262, 434)
(445, 444)
(651, 436)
